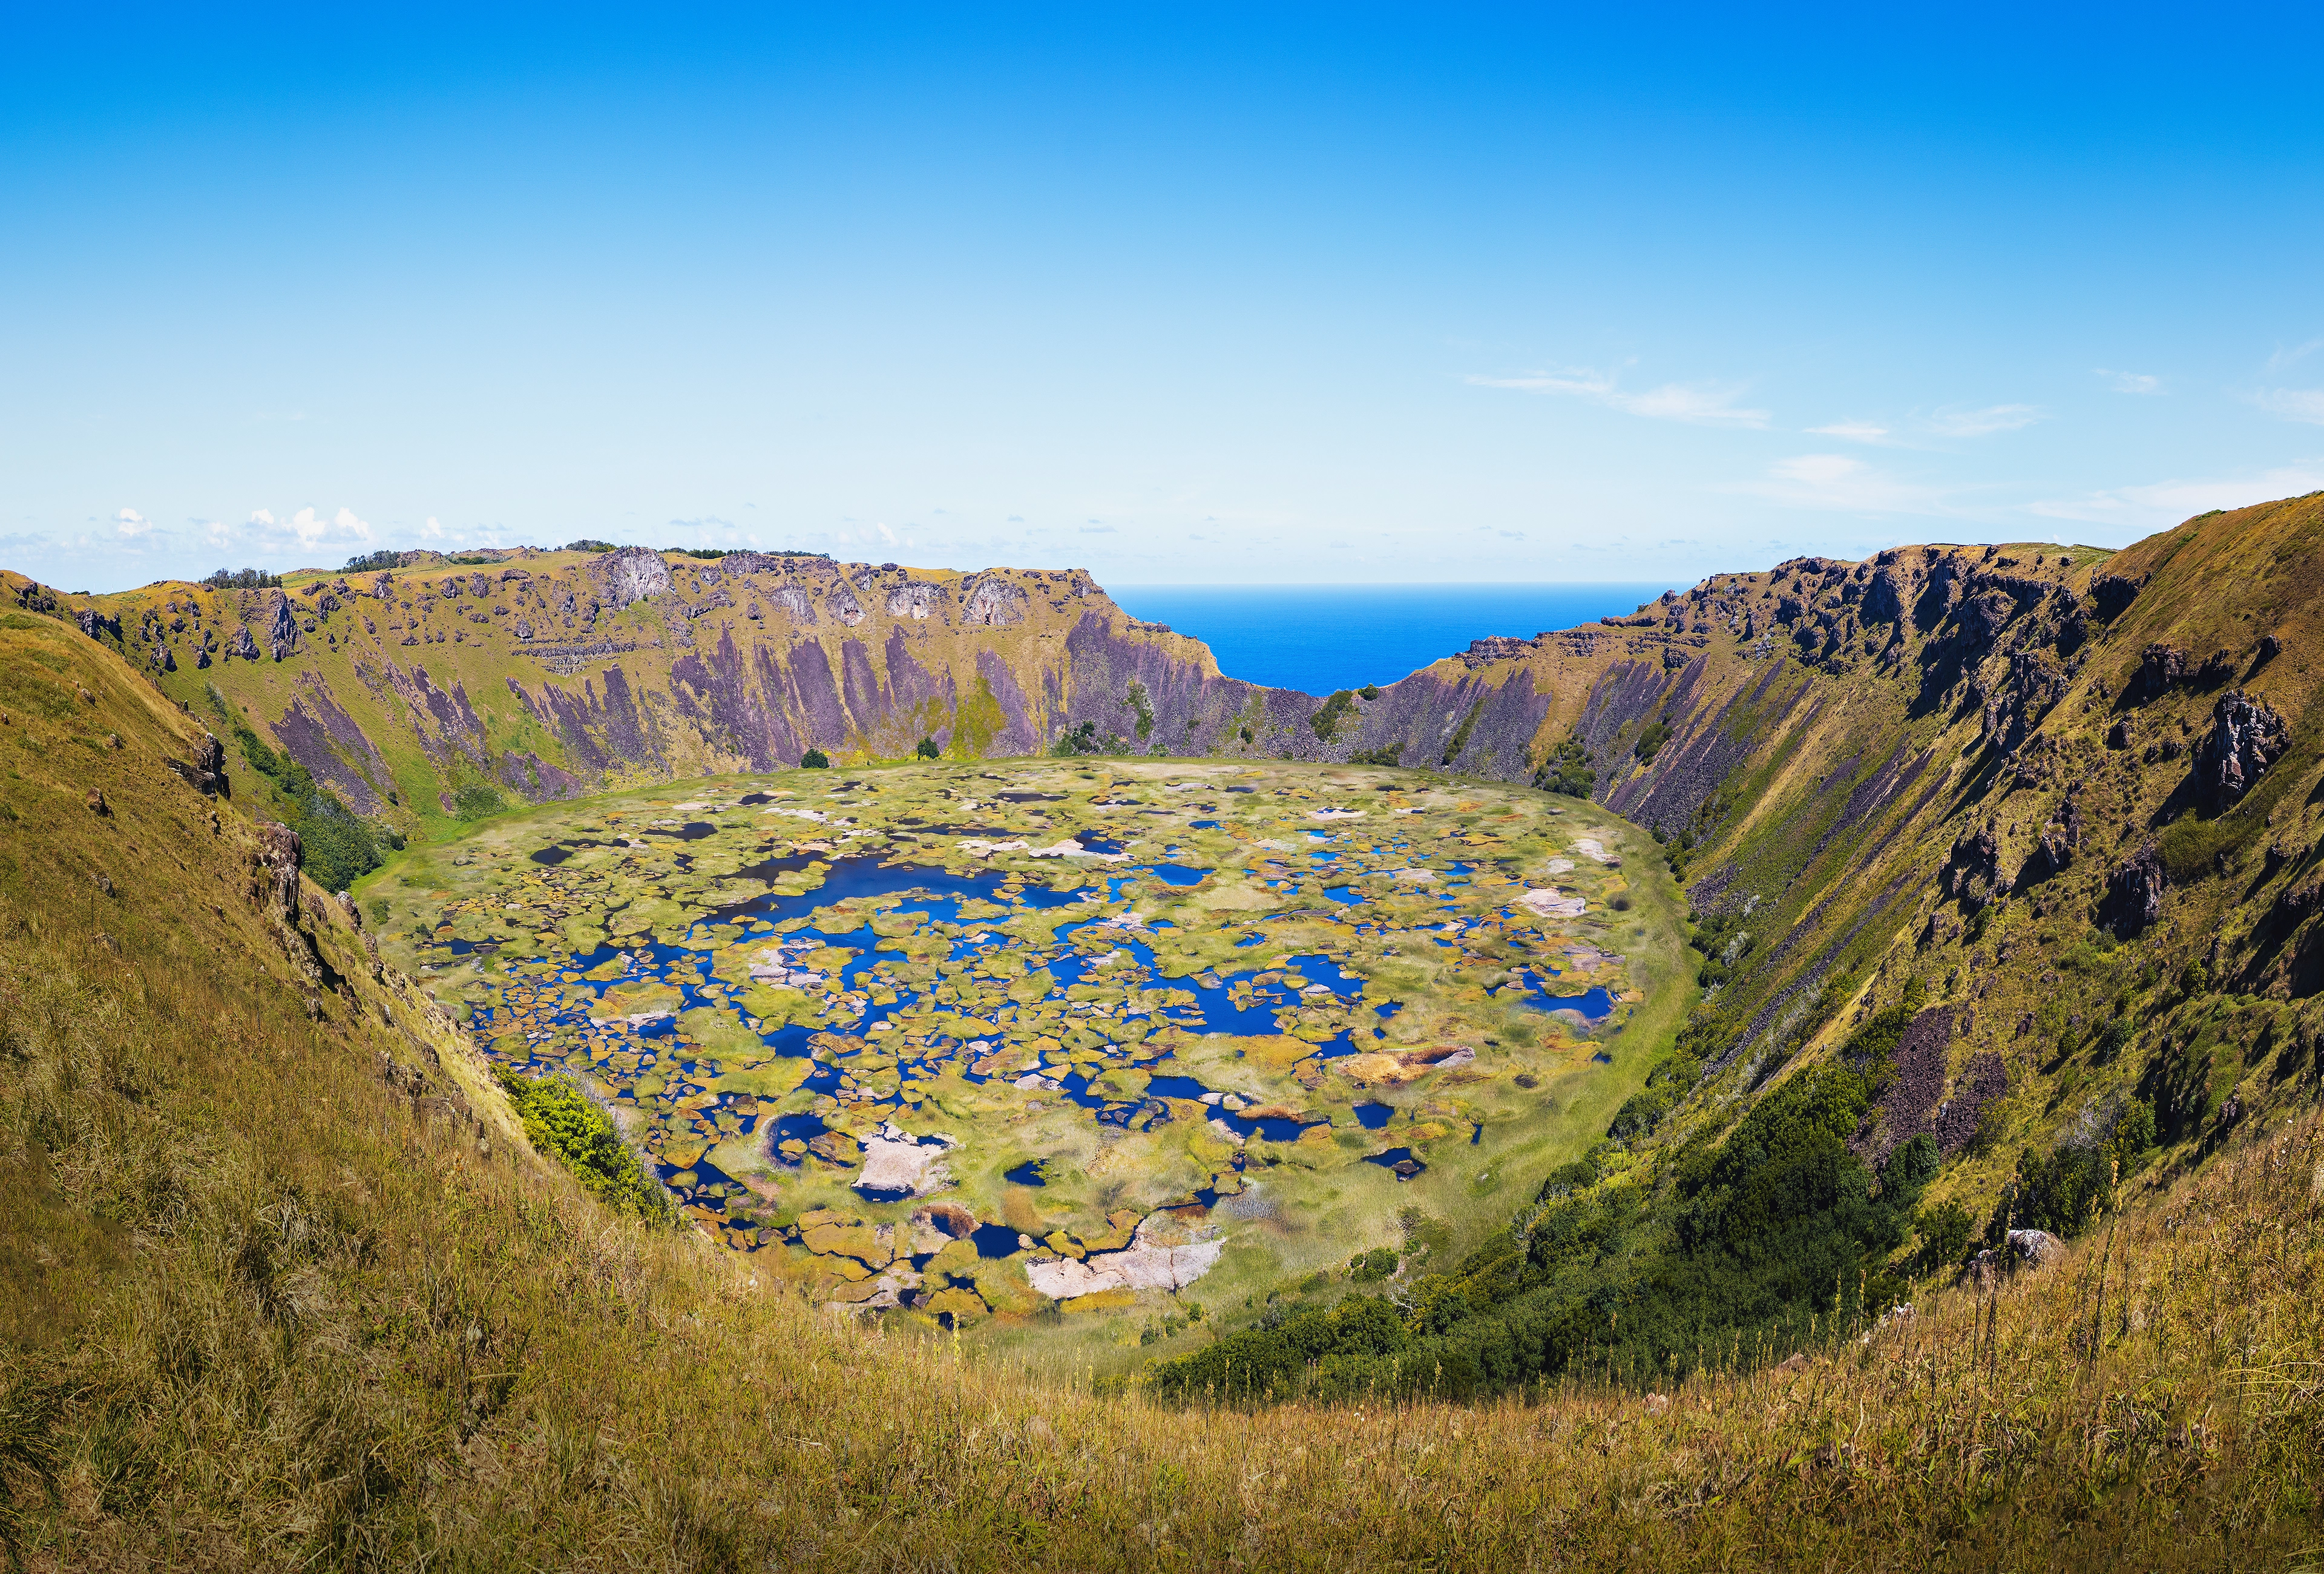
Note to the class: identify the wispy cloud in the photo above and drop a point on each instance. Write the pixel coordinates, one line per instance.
(2294, 355)
(2293, 403)
(1863, 431)
(1696, 403)
(1958, 421)
(1843, 483)
(2140, 510)
(129, 524)
(2128, 381)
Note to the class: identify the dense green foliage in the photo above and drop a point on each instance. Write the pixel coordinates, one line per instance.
(561, 1123)
(586, 544)
(1650, 1271)
(1459, 738)
(814, 760)
(373, 562)
(477, 800)
(926, 749)
(1326, 720)
(337, 847)
(242, 579)
(1651, 740)
(1386, 755)
(1567, 770)
(1371, 1267)
(2064, 1190)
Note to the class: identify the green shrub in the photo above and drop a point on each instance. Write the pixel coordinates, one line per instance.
(1371, 1267)
(1326, 720)
(928, 749)
(561, 1123)
(1651, 740)
(2060, 1191)
(1944, 1231)
(1567, 770)
(2192, 848)
(1459, 738)
(477, 800)
(1386, 755)
(814, 760)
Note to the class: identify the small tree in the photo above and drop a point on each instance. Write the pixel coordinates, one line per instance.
(814, 760)
(928, 749)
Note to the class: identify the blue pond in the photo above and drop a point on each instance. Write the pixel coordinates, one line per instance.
(995, 1240)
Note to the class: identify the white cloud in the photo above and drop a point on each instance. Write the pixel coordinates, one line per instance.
(1696, 403)
(2142, 510)
(129, 524)
(886, 534)
(312, 530)
(303, 531)
(2128, 381)
(431, 531)
(1984, 422)
(2294, 404)
(1843, 483)
(1863, 431)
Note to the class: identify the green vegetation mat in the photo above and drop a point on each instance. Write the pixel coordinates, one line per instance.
(1040, 1050)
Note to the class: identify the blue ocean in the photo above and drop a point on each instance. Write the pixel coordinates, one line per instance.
(1319, 638)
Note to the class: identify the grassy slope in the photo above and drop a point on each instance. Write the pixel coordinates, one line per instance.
(264, 1308)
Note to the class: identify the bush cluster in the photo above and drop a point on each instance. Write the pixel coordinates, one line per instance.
(1567, 770)
(561, 1123)
(243, 579)
(1755, 1238)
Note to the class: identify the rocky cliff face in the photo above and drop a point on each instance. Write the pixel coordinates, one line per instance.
(1855, 751)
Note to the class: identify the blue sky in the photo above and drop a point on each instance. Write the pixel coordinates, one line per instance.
(1327, 295)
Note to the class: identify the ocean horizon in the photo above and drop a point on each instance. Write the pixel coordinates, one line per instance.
(1320, 637)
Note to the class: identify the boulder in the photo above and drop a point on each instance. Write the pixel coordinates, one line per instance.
(2025, 1249)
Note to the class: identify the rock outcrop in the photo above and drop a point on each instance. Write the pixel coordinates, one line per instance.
(629, 576)
(2134, 898)
(2246, 738)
